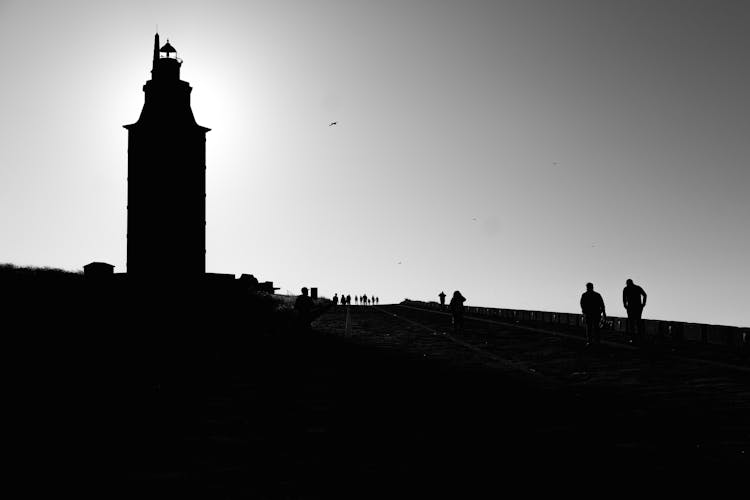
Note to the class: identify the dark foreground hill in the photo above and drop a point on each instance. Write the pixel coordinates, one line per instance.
(218, 397)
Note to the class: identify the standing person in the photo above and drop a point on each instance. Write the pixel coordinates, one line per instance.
(364, 300)
(303, 306)
(457, 309)
(442, 300)
(335, 299)
(356, 300)
(348, 300)
(592, 307)
(631, 299)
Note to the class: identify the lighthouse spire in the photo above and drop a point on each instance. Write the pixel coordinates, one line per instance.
(156, 51)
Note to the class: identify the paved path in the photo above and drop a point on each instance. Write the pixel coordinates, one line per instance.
(380, 402)
(674, 400)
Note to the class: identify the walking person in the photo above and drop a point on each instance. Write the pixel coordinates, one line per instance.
(457, 310)
(631, 299)
(592, 307)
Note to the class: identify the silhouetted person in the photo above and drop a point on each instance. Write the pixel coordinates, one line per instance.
(592, 306)
(303, 307)
(457, 309)
(348, 300)
(442, 300)
(377, 300)
(364, 300)
(335, 299)
(356, 300)
(631, 299)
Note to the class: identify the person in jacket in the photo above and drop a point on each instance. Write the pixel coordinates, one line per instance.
(592, 307)
(457, 310)
(631, 299)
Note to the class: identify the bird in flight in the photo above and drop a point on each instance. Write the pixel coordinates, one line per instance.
(399, 262)
(333, 123)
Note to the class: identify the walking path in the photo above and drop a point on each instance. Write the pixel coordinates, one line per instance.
(653, 386)
(388, 402)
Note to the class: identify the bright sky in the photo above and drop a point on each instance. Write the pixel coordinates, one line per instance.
(512, 150)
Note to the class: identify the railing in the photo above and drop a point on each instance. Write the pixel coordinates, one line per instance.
(675, 331)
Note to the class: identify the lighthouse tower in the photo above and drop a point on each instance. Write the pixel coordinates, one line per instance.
(166, 178)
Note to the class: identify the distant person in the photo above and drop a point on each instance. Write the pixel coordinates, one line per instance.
(377, 300)
(631, 299)
(592, 307)
(364, 299)
(303, 307)
(335, 299)
(442, 300)
(348, 300)
(356, 300)
(457, 310)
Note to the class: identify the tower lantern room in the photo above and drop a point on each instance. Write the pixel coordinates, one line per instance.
(166, 64)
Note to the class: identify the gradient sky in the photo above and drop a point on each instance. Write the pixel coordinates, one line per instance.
(592, 140)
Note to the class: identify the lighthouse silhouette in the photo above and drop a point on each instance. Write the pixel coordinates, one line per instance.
(166, 235)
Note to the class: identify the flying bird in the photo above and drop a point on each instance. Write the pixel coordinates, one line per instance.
(399, 262)
(333, 123)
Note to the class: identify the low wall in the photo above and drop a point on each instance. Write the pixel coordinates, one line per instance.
(675, 331)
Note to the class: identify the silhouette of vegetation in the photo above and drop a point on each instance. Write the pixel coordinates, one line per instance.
(12, 271)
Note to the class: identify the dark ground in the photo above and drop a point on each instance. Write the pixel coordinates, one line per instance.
(162, 406)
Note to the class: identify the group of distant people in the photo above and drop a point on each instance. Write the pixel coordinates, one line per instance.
(363, 300)
(305, 309)
(592, 307)
(594, 312)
